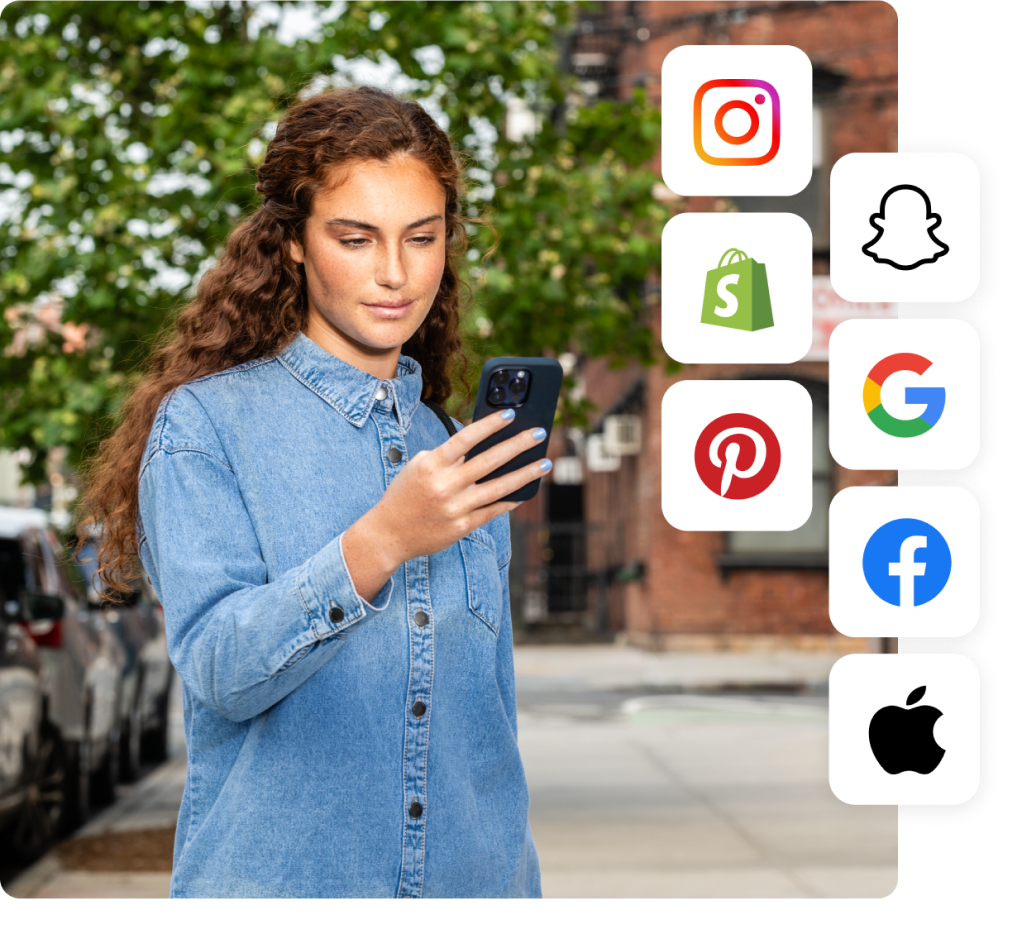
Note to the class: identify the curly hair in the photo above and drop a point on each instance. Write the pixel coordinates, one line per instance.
(252, 303)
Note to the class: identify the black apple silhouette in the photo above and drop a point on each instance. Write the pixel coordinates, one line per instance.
(902, 740)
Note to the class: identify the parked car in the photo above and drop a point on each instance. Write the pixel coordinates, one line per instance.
(36, 782)
(84, 684)
(32, 768)
(137, 619)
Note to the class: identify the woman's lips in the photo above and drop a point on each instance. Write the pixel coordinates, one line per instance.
(389, 310)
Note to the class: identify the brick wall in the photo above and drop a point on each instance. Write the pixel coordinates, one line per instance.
(684, 598)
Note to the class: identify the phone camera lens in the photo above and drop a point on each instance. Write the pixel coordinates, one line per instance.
(497, 396)
(501, 378)
(517, 387)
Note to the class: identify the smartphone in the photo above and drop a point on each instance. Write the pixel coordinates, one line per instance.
(530, 387)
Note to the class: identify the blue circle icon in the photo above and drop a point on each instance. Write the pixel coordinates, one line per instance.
(906, 562)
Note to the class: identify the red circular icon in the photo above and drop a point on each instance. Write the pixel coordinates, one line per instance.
(738, 456)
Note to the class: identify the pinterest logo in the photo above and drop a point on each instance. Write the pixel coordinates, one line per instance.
(737, 456)
(713, 456)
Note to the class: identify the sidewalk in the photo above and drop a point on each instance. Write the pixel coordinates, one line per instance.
(691, 775)
(648, 776)
(621, 667)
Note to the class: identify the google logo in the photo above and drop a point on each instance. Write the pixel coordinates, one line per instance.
(933, 397)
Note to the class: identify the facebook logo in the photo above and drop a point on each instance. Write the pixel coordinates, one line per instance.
(906, 562)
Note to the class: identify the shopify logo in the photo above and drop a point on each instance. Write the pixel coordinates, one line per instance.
(906, 562)
(737, 294)
(932, 397)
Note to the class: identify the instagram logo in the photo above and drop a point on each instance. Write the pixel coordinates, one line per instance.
(737, 122)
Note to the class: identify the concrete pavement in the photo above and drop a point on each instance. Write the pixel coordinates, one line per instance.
(639, 786)
(690, 794)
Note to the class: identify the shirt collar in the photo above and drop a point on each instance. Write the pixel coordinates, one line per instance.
(349, 390)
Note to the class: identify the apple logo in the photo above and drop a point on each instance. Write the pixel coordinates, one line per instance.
(902, 740)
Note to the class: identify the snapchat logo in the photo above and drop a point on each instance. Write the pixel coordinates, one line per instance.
(905, 224)
(904, 227)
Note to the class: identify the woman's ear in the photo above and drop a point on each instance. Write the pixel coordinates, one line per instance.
(297, 252)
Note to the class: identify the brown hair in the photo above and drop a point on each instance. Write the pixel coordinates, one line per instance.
(252, 303)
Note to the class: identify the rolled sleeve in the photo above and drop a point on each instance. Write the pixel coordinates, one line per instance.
(240, 641)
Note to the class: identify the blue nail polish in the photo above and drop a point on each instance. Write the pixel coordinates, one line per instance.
(507, 414)
(546, 464)
(539, 434)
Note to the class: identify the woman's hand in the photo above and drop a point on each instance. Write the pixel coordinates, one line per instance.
(436, 500)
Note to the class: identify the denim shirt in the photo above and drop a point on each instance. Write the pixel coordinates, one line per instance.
(336, 747)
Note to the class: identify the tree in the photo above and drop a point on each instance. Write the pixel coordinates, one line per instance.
(130, 133)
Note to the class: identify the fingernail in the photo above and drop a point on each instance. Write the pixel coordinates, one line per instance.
(546, 464)
(538, 434)
(507, 414)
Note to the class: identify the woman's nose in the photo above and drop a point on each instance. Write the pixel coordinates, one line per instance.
(390, 271)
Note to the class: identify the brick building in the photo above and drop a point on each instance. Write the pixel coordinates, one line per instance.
(598, 552)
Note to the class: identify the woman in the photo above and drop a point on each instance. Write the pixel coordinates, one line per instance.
(334, 579)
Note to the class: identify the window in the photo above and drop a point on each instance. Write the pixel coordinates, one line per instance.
(807, 545)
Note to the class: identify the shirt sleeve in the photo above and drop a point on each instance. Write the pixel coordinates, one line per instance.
(240, 642)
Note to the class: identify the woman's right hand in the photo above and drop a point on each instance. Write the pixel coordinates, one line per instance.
(436, 500)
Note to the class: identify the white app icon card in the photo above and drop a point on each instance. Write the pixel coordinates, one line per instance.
(904, 227)
(904, 561)
(737, 455)
(904, 729)
(737, 120)
(737, 287)
(904, 393)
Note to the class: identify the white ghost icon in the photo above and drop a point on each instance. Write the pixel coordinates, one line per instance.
(905, 225)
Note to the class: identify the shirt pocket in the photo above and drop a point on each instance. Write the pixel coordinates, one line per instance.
(483, 577)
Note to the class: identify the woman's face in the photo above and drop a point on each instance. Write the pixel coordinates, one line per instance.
(374, 254)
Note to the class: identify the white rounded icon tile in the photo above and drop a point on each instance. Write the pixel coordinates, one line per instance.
(904, 393)
(737, 120)
(904, 561)
(904, 227)
(737, 455)
(904, 729)
(737, 287)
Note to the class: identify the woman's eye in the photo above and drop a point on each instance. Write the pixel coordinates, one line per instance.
(354, 243)
(424, 239)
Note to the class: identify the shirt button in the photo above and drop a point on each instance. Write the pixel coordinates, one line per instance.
(421, 618)
(381, 394)
(394, 454)
(336, 615)
(415, 810)
(418, 708)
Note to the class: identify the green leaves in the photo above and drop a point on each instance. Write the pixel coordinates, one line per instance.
(129, 135)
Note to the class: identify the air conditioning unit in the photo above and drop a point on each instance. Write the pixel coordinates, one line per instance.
(622, 435)
(568, 470)
(597, 456)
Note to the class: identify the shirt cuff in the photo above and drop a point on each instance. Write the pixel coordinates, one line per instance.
(329, 595)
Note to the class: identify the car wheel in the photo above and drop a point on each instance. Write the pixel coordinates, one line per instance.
(131, 747)
(154, 742)
(78, 807)
(105, 780)
(40, 818)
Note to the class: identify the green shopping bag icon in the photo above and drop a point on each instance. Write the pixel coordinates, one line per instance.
(737, 295)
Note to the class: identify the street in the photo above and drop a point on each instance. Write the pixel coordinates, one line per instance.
(651, 775)
(690, 794)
